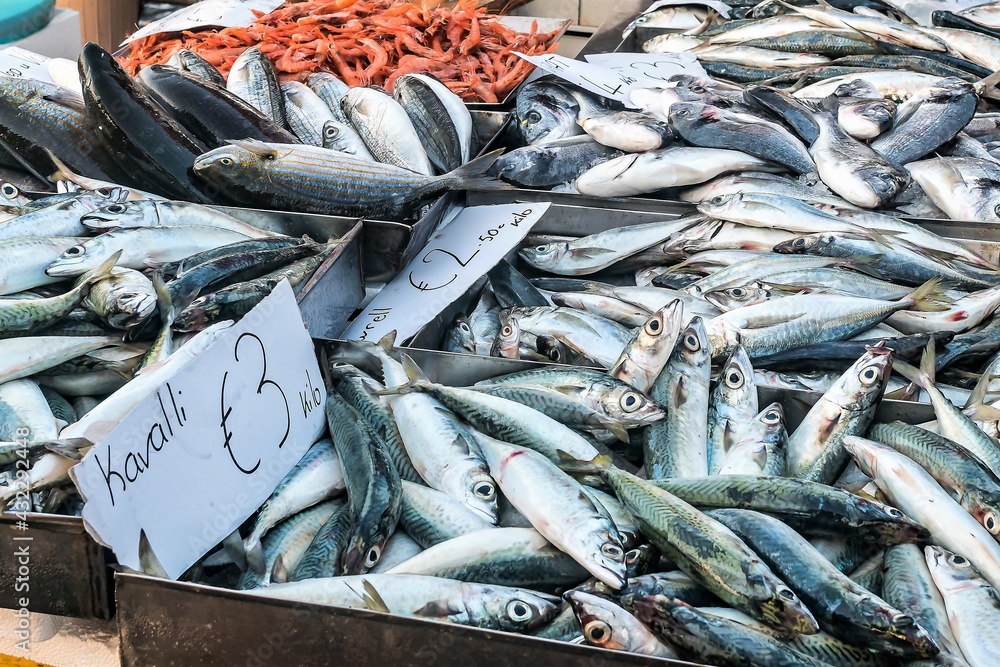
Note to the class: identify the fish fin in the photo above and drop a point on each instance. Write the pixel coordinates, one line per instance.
(103, 271)
(975, 406)
(373, 599)
(279, 573)
(387, 341)
(69, 448)
(165, 306)
(617, 429)
(570, 463)
(232, 545)
(929, 297)
(62, 172)
(255, 558)
(258, 148)
(472, 175)
(907, 393)
(65, 97)
(148, 562)
(413, 371)
(591, 253)
(985, 84)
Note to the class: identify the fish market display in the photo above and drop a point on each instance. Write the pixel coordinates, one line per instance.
(368, 42)
(104, 317)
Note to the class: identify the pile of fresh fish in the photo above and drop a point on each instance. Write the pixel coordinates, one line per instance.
(873, 113)
(801, 290)
(182, 133)
(81, 273)
(739, 542)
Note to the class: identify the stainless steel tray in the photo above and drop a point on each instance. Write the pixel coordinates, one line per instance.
(165, 623)
(66, 574)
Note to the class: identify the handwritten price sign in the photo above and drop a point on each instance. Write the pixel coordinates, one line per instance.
(454, 258)
(201, 454)
(223, 13)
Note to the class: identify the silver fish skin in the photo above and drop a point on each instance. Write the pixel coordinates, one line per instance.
(441, 448)
(322, 555)
(23, 261)
(919, 497)
(676, 18)
(895, 85)
(972, 604)
(60, 219)
(331, 90)
(440, 117)
(25, 414)
(875, 26)
(253, 79)
(973, 46)
(908, 586)
(927, 120)
(189, 61)
(762, 449)
(28, 355)
(815, 448)
(545, 111)
(342, 137)
(431, 517)
(964, 188)
(557, 507)
(152, 213)
(731, 409)
(865, 119)
(678, 446)
(316, 477)
(123, 300)
(289, 541)
(478, 605)
(590, 254)
(386, 129)
(641, 173)
(399, 548)
(629, 131)
(606, 625)
(306, 112)
(594, 337)
(811, 191)
(643, 358)
(141, 247)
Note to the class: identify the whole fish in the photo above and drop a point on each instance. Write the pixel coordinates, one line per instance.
(815, 448)
(141, 247)
(594, 337)
(917, 495)
(712, 127)
(641, 173)
(478, 605)
(253, 79)
(628, 131)
(287, 542)
(191, 62)
(150, 213)
(556, 506)
(544, 111)
(310, 179)
(732, 406)
(439, 116)
(677, 447)
(809, 507)
(606, 625)
(711, 554)
(963, 187)
(553, 162)
(972, 604)
(305, 112)
(927, 120)
(373, 486)
(386, 129)
(874, 26)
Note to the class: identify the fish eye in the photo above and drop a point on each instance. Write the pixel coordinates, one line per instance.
(631, 556)
(887, 177)
(787, 593)
(518, 611)
(542, 248)
(484, 491)
(331, 132)
(772, 417)
(612, 551)
(371, 558)
(9, 190)
(555, 354)
(597, 632)
(653, 327)
(115, 208)
(991, 524)
(691, 342)
(697, 89)
(734, 378)
(996, 209)
(507, 331)
(868, 375)
(718, 200)
(226, 161)
(74, 251)
(958, 561)
(533, 117)
(799, 243)
(682, 112)
(737, 292)
(902, 620)
(630, 402)
(464, 327)
(894, 512)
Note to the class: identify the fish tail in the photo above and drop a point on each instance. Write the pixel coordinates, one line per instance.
(148, 561)
(975, 407)
(255, 557)
(472, 175)
(232, 545)
(795, 112)
(928, 297)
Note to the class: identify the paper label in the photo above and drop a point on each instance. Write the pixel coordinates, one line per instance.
(208, 13)
(613, 75)
(201, 454)
(453, 259)
(19, 62)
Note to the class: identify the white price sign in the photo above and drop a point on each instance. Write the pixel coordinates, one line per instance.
(18, 62)
(613, 75)
(203, 452)
(208, 13)
(453, 259)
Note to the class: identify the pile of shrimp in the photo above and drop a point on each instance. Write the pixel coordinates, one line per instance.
(369, 42)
